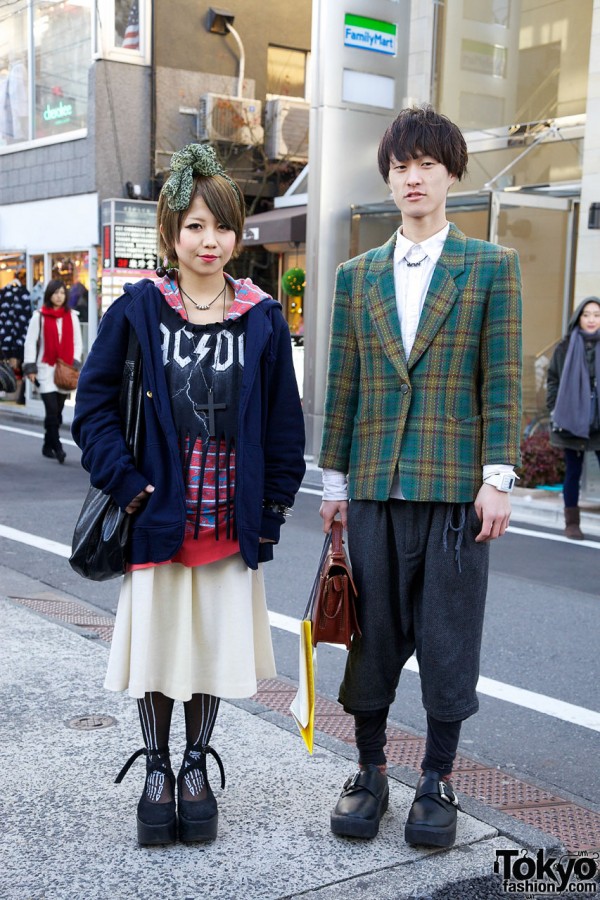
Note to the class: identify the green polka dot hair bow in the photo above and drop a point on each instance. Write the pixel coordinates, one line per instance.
(195, 159)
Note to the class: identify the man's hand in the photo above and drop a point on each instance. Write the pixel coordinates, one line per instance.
(330, 509)
(140, 499)
(493, 508)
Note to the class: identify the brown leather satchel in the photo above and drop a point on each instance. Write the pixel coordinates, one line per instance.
(332, 604)
(65, 376)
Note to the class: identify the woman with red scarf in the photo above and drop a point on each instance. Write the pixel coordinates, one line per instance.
(53, 333)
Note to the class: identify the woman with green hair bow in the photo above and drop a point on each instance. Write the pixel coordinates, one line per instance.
(221, 463)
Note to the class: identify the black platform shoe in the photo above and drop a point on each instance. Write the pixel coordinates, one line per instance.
(198, 819)
(60, 455)
(432, 818)
(48, 452)
(362, 803)
(156, 822)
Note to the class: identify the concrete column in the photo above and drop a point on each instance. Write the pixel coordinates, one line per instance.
(344, 136)
(587, 272)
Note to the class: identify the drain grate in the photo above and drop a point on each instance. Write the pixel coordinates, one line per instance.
(71, 612)
(91, 722)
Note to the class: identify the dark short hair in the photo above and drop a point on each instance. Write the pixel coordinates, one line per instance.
(51, 288)
(222, 198)
(421, 131)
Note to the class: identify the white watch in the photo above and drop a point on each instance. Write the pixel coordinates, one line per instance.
(502, 481)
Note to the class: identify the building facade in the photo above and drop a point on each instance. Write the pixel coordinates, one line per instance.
(94, 99)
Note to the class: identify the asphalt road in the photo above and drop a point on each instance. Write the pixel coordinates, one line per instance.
(541, 629)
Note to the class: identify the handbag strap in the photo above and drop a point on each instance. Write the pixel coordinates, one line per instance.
(131, 399)
(337, 539)
(314, 590)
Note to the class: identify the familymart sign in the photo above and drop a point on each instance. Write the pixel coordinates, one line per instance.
(370, 34)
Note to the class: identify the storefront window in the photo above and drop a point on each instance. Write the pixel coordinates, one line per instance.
(530, 58)
(10, 264)
(71, 267)
(62, 60)
(14, 80)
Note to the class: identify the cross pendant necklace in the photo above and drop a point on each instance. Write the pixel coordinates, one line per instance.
(210, 406)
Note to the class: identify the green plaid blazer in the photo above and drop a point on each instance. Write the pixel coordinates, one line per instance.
(455, 404)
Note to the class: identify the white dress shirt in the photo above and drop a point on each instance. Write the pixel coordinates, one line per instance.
(412, 281)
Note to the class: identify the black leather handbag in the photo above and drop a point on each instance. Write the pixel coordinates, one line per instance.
(99, 546)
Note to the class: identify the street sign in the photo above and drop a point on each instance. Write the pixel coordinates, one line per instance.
(129, 236)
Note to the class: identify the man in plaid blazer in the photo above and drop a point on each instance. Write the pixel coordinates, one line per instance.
(421, 434)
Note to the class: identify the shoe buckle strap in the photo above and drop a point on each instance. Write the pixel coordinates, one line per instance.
(152, 765)
(351, 785)
(449, 797)
(208, 749)
(141, 752)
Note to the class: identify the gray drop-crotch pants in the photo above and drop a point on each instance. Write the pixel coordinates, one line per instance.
(421, 582)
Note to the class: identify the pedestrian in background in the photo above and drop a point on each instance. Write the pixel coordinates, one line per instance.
(421, 433)
(221, 462)
(53, 333)
(15, 313)
(574, 404)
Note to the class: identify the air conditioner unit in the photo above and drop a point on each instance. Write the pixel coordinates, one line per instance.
(286, 129)
(235, 120)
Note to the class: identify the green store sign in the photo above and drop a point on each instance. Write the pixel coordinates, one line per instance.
(370, 34)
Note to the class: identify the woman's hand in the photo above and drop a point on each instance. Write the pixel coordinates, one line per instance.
(265, 541)
(139, 501)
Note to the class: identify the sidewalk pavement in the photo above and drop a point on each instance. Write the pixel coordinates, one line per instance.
(68, 832)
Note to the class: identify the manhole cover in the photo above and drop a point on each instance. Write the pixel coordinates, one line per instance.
(92, 722)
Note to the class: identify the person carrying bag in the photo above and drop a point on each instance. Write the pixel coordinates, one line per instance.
(53, 342)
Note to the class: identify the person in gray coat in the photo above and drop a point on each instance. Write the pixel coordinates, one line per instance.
(574, 404)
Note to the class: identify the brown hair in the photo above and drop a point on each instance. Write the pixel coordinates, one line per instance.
(421, 131)
(55, 285)
(223, 200)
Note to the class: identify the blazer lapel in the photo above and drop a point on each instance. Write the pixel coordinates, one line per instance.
(442, 293)
(381, 304)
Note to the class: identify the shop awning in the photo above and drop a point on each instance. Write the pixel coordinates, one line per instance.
(286, 225)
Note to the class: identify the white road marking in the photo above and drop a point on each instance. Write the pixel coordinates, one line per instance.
(33, 540)
(595, 545)
(36, 434)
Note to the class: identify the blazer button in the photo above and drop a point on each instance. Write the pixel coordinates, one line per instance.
(149, 394)
(404, 388)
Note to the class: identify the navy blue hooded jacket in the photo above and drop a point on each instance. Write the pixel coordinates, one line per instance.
(270, 445)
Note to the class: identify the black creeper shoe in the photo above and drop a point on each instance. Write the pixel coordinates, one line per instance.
(432, 818)
(156, 822)
(362, 803)
(199, 818)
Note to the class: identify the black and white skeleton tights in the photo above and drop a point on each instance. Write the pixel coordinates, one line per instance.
(155, 710)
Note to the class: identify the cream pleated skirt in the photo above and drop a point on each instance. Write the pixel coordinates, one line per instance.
(184, 631)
